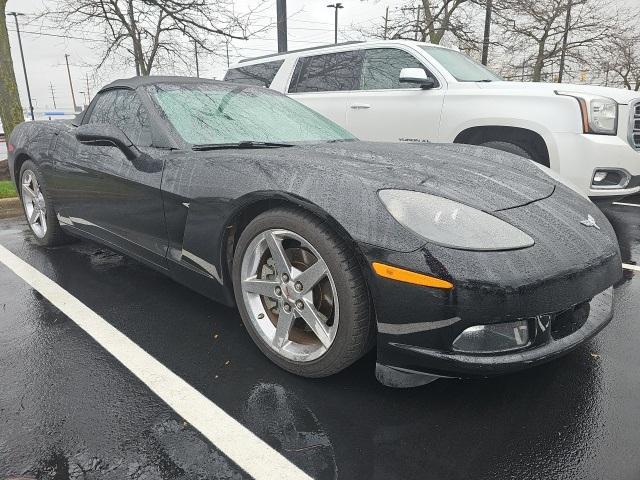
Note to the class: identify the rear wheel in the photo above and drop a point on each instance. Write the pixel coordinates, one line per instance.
(301, 294)
(38, 208)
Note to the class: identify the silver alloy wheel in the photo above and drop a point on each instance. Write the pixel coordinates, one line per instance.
(34, 204)
(290, 295)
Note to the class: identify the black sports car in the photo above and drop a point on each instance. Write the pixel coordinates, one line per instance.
(455, 260)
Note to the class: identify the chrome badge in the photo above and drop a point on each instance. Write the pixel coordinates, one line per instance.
(590, 222)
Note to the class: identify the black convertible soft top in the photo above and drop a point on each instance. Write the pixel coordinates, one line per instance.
(135, 82)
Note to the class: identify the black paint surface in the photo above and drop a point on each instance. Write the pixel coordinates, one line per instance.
(66, 406)
(182, 210)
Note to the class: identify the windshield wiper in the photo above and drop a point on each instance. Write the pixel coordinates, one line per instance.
(240, 145)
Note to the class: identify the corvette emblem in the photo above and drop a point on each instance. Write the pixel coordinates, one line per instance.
(590, 222)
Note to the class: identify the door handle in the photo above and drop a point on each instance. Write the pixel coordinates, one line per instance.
(360, 106)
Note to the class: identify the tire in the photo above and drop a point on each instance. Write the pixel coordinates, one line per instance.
(47, 233)
(515, 148)
(349, 319)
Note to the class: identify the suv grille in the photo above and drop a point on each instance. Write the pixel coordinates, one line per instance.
(634, 129)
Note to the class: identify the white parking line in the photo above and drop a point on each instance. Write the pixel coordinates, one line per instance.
(631, 267)
(249, 452)
(627, 204)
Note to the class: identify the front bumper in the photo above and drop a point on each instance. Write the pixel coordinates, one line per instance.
(570, 266)
(578, 156)
(408, 361)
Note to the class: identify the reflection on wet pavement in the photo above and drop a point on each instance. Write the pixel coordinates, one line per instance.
(287, 425)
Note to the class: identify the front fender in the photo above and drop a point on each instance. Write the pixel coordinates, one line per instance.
(204, 197)
(545, 115)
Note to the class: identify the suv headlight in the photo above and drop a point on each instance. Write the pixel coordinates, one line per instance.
(452, 224)
(599, 114)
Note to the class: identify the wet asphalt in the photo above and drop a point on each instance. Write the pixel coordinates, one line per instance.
(69, 410)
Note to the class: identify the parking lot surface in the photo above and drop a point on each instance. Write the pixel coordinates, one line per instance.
(70, 410)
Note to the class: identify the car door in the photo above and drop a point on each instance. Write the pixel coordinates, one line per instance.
(383, 109)
(109, 196)
(324, 82)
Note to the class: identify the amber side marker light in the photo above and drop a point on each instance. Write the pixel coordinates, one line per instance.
(407, 276)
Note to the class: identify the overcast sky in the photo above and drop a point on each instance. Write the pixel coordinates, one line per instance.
(310, 24)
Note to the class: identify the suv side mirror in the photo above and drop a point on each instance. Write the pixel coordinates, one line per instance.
(103, 134)
(417, 76)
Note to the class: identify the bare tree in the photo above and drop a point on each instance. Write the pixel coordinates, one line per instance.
(153, 31)
(11, 112)
(542, 32)
(617, 59)
(424, 20)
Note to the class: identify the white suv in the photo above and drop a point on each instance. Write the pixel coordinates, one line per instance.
(404, 91)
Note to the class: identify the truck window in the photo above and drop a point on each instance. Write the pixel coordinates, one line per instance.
(381, 69)
(259, 75)
(328, 73)
(463, 68)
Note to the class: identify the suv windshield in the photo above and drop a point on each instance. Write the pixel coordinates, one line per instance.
(209, 114)
(463, 68)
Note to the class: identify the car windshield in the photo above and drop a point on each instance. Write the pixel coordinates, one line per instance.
(210, 114)
(463, 68)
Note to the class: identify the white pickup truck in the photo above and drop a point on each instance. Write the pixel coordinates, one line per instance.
(404, 91)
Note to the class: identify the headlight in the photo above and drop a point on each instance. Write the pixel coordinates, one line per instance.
(599, 114)
(452, 224)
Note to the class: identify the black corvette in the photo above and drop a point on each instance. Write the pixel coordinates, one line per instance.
(457, 261)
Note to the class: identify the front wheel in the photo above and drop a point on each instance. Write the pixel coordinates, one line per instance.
(301, 294)
(38, 208)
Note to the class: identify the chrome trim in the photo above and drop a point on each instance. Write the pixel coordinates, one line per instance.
(634, 124)
(202, 263)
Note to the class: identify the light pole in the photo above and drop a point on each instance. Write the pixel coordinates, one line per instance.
(487, 31)
(336, 6)
(24, 68)
(195, 44)
(281, 15)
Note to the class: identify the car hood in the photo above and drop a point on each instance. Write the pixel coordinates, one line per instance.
(480, 177)
(620, 95)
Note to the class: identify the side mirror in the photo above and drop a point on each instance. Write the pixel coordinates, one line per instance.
(103, 134)
(417, 76)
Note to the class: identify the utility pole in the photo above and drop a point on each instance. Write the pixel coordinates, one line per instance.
(565, 39)
(335, 6)
(195, 44)
(86, 76)
(386, 22)
(24, 67)
(53, 95)
(417, 23)
(227, 45)
(73, 96)
(281, 13)
(487, 32)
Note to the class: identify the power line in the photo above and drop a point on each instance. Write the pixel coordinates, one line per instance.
(60, 36)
